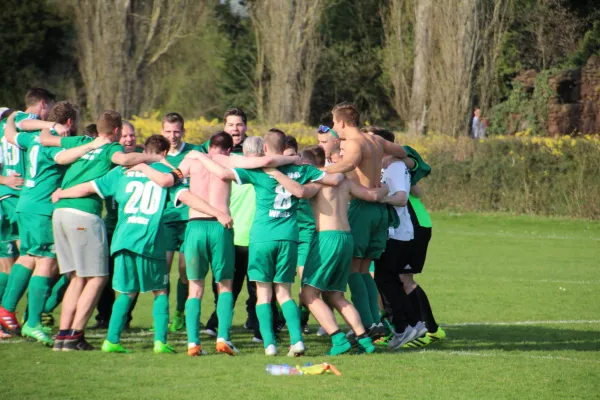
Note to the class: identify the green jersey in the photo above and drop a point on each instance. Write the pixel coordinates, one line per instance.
(91, 166)
(42, 175)
(175, 158)
(242, 205)
(112, 210)
(13, 158)
(275, 217)
(306, 219)
(141, 209)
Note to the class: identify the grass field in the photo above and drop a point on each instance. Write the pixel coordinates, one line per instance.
(519, 298)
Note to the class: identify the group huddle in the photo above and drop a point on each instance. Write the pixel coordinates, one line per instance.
(343, 214)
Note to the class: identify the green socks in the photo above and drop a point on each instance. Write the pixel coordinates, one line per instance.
(39, 287)
(340, 344)
(57, 293)
(265, 323)
(291, 314)
(15, 288)
(373, 296)
(3, 282)
(118, 318)
(160, 313)
(360, 298)
(192, 320)
(182, 295)
(225, 314)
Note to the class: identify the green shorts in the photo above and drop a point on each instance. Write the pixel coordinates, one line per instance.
(135, 273)
(36, 235)
(208, 242)
(174, 234)
(273, 262)
(8, 219)
(369, 225)
(8, 249)
(328, 265)
(305, 238)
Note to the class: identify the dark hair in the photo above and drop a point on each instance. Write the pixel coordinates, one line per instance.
(347, 112)
(309, 156)
(37, 94)
(91, 130)
(291, 143)
(384, 133)
(157, 144)
(108, 121)
(6, 113)
(172, 118)
(319, 154)
(62, 112)
(275, 140)
(221, 140)
(236, 112)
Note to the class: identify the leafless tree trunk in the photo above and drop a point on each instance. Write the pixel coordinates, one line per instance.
(286, 35)
(120, 40)
(422, 45)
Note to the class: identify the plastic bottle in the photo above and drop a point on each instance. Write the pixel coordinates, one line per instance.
(282, 370)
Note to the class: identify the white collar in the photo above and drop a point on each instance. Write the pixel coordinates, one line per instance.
(179, 150)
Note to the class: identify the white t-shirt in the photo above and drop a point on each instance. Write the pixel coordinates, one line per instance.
(397, 177)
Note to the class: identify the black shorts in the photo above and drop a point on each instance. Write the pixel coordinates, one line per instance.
(406, 257)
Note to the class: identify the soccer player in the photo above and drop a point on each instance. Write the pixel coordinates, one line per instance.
(34, 209)
(107, 298)
(291, 146)
(79, 232)
(368, 221)
(175, 219)
(328, 264)
(273, 241)
(138, 245)
(328, 140)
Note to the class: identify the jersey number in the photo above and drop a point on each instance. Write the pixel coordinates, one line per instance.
(33, 158)
(283, 199)
(10, 153)
(145, 197)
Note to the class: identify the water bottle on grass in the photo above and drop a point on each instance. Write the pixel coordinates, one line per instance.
(282, 370)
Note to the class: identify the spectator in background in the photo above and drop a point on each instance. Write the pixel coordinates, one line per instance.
(479, 125)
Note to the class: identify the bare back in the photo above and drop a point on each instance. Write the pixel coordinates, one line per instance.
(209, 187)
(330, 207)
(368, 170)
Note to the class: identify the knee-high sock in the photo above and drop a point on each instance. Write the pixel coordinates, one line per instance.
(192, 320)
(360, 298)
(160, 313)
(3, 283)
(373, 296)
(426, 313)
(39, 288)
(118, 318)
(182, 294)
(225, 314)
(265, 322)
(17, 283)
(56, 294)
(292, 318)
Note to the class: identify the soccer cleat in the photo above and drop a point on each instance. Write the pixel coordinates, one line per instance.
(321, 331)
(4, 335)
(257, 340)
(47, 319)
(417, 343)
(421, 329)
(37, 333)
(76, 343)
(108, 347)
(178, 323)
(297, 350)
(349, 334)
(305, 330)
(209, 332)
(100, 325)
(401, 338)
(8, 320)
(377, 331)
(195, 350)
(163, 348)
(59, 342)
(440, 334)
(224, 346)
(383, 341)
(271, 350)
(365, 345)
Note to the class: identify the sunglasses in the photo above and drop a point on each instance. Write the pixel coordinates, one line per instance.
(326, 129)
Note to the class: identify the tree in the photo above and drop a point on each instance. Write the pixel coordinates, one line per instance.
(418, 98)
(119, 41)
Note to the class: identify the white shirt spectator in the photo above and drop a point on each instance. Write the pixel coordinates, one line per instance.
(397, 177)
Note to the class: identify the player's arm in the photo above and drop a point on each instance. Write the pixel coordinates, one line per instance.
(38, 125)
(295, 188)
(131, 159)
(195, 202)
(331, 179)
(391, 149)
(162, 179)
(351, 159)
(372, 195)
(10, 129)
(47, 139)
(69, 156)
(263, 162)
(415, 190)
(13, 181)
(215, 168)
(82, 190)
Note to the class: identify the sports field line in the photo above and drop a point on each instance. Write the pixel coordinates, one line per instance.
(565, 282)
(547, 322)
(521, 236)
(512, 354)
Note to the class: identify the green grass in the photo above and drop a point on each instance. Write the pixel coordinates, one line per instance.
(519, 298)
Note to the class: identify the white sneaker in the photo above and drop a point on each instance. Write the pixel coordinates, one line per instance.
(271, 350)
(257, 340)
(297, 349)
(421, 329)
(209, 332)
(400, 339)
(321, 332)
